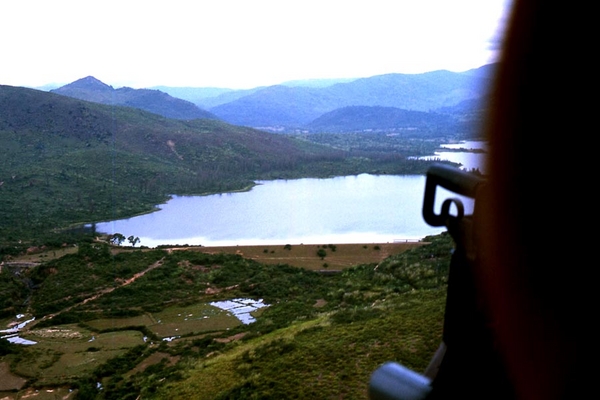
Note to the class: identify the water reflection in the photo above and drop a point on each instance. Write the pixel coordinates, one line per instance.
(11, 334)
(472, 158)
(468, 145)
(241, 308)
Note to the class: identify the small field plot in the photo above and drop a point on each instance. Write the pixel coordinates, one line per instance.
(40, 394)
(8, 380)
(119, 323)
(176, 321)
(69, 352)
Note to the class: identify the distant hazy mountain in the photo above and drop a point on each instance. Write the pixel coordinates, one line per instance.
(155, 101)
(277, 106)
(486, 71)
(297, 106)
(387, 119)
(203, 97)
(192, 94)
(317, 83)
(206, 97)
(48, 87)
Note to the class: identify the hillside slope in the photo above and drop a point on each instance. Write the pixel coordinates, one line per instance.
(386, 119)
(319, 336)
(68, 160)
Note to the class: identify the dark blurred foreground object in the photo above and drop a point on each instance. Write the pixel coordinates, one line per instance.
(467, 360)
(528, 279)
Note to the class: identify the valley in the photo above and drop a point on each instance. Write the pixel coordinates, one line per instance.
(100, 321)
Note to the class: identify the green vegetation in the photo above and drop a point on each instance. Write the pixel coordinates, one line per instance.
(391, 120)
(14, 292)
(67, 162)
(365, 143)
(120, 322)
(321, 253)
(320, 336)
(7, 347)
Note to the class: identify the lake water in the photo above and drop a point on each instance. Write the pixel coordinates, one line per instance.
(469, 160)
(352, 209)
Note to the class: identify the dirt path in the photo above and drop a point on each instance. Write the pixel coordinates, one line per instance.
(98, 294)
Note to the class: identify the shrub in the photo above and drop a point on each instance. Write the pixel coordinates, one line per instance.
(321, 253)
(7, 347)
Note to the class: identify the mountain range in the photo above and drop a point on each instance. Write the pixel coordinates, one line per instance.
(296, 106)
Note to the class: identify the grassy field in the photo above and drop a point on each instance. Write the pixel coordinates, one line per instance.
(338, 256)
(71, 351)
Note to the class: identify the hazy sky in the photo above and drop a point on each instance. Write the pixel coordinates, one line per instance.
(241, 43)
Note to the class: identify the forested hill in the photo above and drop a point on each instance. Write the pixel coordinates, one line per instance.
(67, 161)
(51, 118)
(91, 89)
(389, 119)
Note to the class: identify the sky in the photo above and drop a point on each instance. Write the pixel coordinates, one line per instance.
(241, 44)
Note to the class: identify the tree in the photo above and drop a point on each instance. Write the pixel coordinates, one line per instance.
(321, 253)
(7, 347)
(133, 240)
(117, 239)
